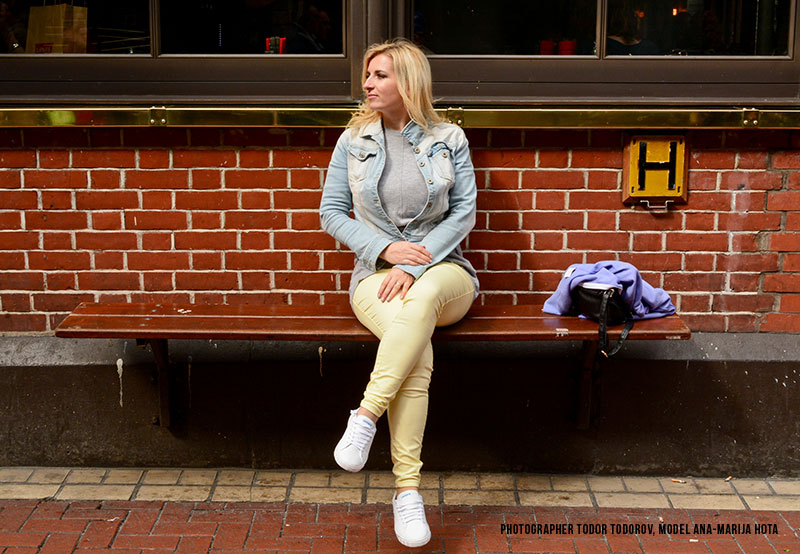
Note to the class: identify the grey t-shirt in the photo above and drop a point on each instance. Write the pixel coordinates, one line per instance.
(402, 187)
(403, 195)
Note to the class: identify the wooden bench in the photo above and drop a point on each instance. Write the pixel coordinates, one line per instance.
(155, 324)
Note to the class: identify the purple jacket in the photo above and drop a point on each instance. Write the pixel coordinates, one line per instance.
(644, 300)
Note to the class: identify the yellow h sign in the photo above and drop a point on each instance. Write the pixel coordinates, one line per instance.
(655, 170)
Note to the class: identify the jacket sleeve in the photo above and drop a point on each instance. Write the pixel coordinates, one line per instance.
(337, 200)
(460, 217)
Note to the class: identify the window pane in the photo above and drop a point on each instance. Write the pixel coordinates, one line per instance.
(698, 27)
(504, 27)
(90, 26)
(243, 26)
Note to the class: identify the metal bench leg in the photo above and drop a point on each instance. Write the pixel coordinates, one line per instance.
(590, 370)
(161, 354)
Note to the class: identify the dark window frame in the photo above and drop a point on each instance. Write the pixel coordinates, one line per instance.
(178, 78)
(712, 80)
(459, 80)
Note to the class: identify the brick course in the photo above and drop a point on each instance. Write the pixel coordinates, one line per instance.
(231, 215)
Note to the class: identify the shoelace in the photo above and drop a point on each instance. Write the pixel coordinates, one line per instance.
(360, 434)
(413, 510)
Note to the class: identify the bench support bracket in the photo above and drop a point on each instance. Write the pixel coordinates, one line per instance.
(160, 351)
(589, 384)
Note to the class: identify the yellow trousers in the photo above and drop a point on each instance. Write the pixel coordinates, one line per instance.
(399, 381)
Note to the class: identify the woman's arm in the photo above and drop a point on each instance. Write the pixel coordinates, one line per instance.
(337, 200)
(460, 218)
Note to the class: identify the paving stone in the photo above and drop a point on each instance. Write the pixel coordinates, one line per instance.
(49, 475)
(162, 476)
(348, 480)
(751, 486)
(90, 475)
(569, 483)
(123, 476)
(461, 481)
(312, 479)
(606, 484)
(534, 482)
(174, 492)
(496, 481)
(324, 495)
(773, 502)
(235, 477)
(27, 492)
(785, 487)
(714, 486)
(273, 478)
(198, 477)
(479, 498)
(14, 475)
(631, 500)
(429, 481)
(381, 479)
(384, 496)
(96, 492)
(678, 485)
(707, 501)
(560, 499)
(248, 494)
(642, 484)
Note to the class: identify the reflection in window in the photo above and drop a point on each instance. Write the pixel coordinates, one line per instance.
(90, 26)
(698, 27)
(504, 27)
(244, 26)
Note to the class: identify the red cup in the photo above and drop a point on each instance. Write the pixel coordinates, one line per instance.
(547, 47)
(567, 47)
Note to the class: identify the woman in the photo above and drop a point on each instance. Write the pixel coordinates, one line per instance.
(409, 180)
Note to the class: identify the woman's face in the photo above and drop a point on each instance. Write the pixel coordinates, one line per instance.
(381, 85)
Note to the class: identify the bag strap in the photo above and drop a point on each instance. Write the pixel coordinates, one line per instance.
(603, 330)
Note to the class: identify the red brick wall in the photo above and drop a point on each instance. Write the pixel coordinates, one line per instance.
(213, 215)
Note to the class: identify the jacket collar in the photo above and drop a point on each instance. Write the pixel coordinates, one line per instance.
(411, 131)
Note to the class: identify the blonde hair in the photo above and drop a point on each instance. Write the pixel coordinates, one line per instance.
(414, 83)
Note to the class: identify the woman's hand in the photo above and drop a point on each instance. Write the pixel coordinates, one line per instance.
(396, 282)
(408, 253)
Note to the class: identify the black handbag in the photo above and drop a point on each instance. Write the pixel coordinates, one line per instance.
(606, 306)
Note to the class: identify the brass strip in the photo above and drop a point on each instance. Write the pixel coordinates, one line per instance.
(543, 117)
(87, 116)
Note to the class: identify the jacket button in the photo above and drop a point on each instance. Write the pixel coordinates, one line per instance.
(421, 164)
(429, 205)
(416, 150)
(361, 155)
(444, 154)
(430, 181)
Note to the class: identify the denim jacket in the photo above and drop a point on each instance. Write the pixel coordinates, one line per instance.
(356, 166)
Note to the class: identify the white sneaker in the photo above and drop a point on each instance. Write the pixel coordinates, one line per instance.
(353, 448)
(410, 524)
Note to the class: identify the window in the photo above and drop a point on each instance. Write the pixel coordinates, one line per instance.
(245, 26)
(91, 27)
(607, 51)
(492, 52)
(566, 27)
(163, 51)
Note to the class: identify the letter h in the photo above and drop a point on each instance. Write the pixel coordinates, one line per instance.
(671, 165)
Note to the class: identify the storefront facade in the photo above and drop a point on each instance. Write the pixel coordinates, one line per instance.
(187, 166)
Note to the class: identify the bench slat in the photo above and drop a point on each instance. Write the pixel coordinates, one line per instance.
(488, 323)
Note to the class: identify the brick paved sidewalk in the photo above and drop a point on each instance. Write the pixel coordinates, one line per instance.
(52, 526)
(64, 510)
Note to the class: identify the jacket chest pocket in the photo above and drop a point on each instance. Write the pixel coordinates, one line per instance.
(441, 160)
(359, 163)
